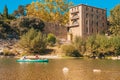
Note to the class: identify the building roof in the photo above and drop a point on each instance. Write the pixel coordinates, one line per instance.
(87, 6)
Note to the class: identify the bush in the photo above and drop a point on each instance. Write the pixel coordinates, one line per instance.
(6, 52)
(51, 39)
(33, 41)
(70, 50)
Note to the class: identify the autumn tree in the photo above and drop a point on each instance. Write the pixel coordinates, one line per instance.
(115, 20)
(55, 11)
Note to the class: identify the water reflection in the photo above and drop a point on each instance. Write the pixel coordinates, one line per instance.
(78, 70)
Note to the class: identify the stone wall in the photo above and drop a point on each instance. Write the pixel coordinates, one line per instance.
(56, 29)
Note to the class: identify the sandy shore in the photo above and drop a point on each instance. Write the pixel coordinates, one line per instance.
(44, 56)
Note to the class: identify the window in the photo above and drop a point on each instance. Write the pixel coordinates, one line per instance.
(92, 22)
(86, 21)
(96, 23)
(92, 9)
(103, 24)
(68, 29)
(97, 17)
(86, 8)
(92, 15)
(102, 12)
(103, 18)
(86, 29)
(75, 22)
(97, 30)
(86, 15)
(92, 30)
(96, 11)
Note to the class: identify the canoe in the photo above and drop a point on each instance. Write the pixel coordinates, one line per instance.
(33, 60)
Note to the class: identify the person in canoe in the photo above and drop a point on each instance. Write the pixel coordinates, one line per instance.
(37, 57)
(23, 58)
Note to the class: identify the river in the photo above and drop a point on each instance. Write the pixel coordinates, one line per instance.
(79, 69)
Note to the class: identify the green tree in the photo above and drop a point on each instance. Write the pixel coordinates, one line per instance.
(80, 44)
(20, 11)
(23, 24)
(33, 41)
(5, 12)
(115, 20)
(103, 43)
(115, 45)
(91, 44)
(51, 39)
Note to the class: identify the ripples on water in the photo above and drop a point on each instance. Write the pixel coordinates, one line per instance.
(79, 69)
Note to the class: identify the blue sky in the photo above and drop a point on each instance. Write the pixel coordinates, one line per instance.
(108, 4)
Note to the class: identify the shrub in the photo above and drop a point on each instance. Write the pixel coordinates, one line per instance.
(33, 41)
(51, 39)
(70, 50)
(6, 52)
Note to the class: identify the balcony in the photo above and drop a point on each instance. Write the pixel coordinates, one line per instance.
(74, 25)
(72, 12)
(75, 17)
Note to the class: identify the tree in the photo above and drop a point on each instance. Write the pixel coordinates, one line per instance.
(23, 24)
(115, 45)
(20, 11)
(51, 39)
(80, 44)
(55, 11)
(115, 20)
(33, 41)
(91, 44)
(103, 43)
(5, 12)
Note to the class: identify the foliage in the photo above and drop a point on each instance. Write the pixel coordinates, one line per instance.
(23, 24)
(7, 52)
(55, 11)
(33, 41)
(5, 29)
(115, 20)
(91, 44)
(51, 39)
(80, 44)
(70, 50)
(97, 45)
(103, 43)
(115, 45)
(20, 11)
(5, 12)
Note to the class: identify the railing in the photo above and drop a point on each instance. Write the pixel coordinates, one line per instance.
(75, 17)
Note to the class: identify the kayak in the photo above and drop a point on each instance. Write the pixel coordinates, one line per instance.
(33, 60)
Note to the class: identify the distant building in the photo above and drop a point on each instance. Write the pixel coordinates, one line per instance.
(86, 20)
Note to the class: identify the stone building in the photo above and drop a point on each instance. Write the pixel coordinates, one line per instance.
(86, 20)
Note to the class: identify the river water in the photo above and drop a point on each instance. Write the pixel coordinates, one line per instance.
(79, 69)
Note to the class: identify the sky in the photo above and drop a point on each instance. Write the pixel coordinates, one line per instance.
(105, 4)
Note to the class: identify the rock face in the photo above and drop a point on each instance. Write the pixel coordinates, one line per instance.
(58, 30)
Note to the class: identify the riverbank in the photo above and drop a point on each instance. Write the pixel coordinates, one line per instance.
(42, 56)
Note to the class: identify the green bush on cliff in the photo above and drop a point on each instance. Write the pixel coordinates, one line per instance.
(33, 41)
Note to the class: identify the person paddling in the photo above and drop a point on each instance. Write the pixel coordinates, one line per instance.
(37, 57)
